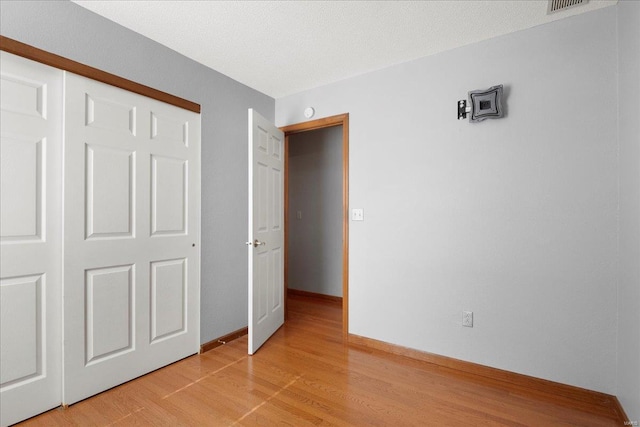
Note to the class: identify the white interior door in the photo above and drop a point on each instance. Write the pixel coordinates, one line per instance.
(132, 236)
(266, 230)
(30, 238)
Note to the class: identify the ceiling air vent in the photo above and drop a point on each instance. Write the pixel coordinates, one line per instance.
(558, 5)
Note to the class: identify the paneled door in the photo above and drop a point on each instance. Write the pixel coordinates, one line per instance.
(132, 236)
(266, 230)
(30, 238)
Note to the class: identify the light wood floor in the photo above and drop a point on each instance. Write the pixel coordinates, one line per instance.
(305, 376)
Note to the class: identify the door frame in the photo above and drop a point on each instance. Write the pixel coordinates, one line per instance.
(338, 120)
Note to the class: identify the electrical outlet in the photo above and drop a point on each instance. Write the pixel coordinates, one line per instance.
(357, 215)
(467, 318)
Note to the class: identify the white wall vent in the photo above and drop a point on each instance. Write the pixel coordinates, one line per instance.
(558, 5)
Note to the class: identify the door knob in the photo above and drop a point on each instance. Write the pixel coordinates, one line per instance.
(255, 243)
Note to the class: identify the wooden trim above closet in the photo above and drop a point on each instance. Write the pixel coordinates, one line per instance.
(33, 53)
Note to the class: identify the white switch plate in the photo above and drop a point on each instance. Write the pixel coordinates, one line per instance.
(299, 214)
(467, 318)
(357, 214)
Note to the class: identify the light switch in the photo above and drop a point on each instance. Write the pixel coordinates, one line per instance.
(299, 214)
(357, 214)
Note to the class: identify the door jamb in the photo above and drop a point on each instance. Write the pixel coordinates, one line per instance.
(338, 120)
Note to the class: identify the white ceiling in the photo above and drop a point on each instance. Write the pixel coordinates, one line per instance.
(284, 47)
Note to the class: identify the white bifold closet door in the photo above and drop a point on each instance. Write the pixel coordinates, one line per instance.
(30, 238)
(131, 236)
(99, 237)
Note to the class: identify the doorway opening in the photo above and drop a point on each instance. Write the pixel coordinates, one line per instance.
(321, 279)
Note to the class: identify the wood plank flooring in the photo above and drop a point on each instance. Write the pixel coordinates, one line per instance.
(305, 375)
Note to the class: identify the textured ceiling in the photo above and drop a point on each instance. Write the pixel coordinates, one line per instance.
(284, 47)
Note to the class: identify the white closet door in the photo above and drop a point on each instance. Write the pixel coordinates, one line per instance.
(132, 236)
(30, 238)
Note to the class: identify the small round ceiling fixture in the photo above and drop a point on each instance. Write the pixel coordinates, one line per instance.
(309, 112)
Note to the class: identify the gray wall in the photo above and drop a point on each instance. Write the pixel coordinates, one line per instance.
(69, 30)
(315, 189)
(513, 219)
(629, 136)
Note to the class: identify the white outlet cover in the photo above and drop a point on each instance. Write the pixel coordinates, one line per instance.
(467, 319)
(357, 214)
